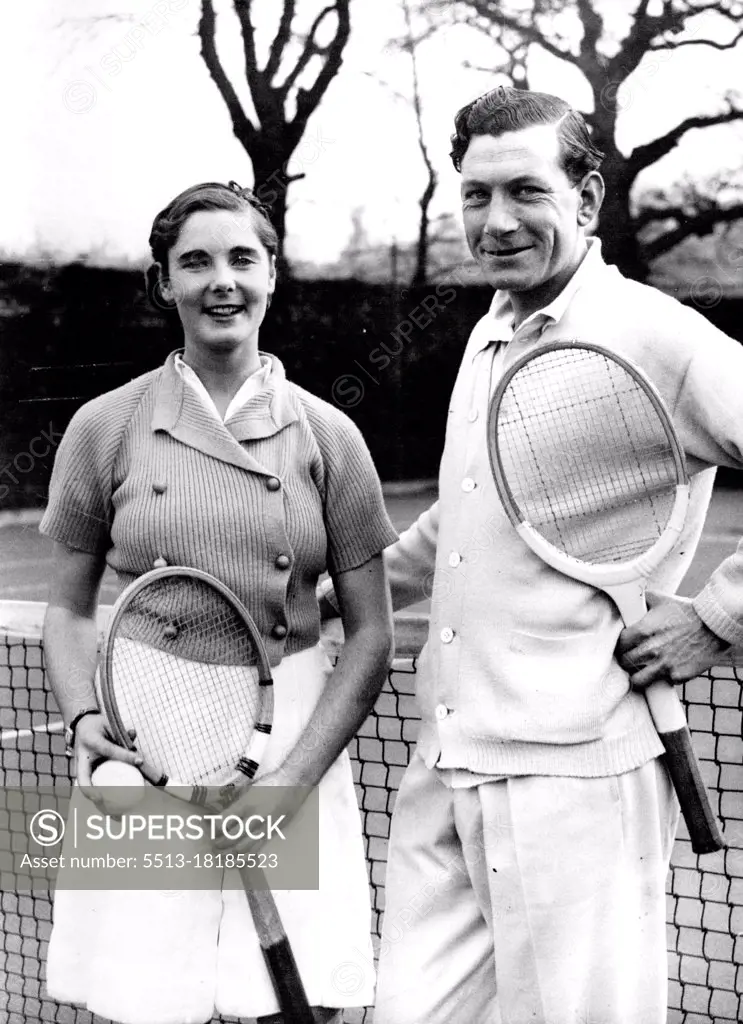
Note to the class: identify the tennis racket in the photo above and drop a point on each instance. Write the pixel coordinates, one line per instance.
(183, 664)
(592, 475)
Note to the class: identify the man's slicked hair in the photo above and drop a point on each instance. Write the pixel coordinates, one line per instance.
(510, 110)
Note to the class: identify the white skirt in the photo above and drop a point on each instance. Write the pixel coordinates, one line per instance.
(160, 957)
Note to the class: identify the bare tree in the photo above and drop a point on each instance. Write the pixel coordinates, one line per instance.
(423, 242)
(631, 237)
(407, 44)
(285, 90)
(281, 104)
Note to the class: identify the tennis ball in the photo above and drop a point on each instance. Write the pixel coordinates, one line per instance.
(123, 784)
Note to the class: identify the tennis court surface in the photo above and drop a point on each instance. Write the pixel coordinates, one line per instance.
(705, 894)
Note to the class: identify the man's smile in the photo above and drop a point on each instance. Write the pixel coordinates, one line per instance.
(503, 252)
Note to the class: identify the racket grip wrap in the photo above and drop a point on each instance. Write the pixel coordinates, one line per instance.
(277, 951)
(289, 989)
(691, 791)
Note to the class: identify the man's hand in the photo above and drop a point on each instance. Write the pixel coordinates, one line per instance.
(671, 642)
(327, 611)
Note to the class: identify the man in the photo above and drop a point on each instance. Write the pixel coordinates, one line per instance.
(533, 829)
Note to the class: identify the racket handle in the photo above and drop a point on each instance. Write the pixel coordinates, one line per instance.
(277, 951)
(670, 722)
(692, 794)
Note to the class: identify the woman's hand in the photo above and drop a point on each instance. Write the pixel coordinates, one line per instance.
(93, 744)
(243, 801)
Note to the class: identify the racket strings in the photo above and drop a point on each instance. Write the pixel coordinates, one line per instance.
(193, 721)
(586, 455)
(184, 681)
(182, 615)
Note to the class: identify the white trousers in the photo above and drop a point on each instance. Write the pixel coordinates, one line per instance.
(534, 900)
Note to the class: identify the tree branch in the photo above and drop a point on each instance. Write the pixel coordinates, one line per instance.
(243, 127)
(257, 83)
(308, 52)
(593, 27)
(308, 99)
(645, 156)
(700, 225)
(697, 42)
(478, 67)
(652, 214)
(421, 261)
(513, 65)
(645, 28)
(692, 10)
(492, 13)
(591, 61)
(283, 35)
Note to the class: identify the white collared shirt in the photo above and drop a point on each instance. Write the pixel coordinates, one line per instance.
(497, 326)
(251, 386)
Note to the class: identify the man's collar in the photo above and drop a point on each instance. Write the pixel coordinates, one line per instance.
(497, 325)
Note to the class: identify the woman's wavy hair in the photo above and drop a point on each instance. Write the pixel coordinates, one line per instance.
(210, 195)
(509, 110)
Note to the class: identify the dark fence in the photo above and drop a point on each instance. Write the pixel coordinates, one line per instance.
(386, 356)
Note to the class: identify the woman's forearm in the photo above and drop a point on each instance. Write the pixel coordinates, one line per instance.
(343, 706)
(70, 635)
(70, 651)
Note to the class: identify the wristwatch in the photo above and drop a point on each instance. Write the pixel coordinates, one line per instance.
(69, 733)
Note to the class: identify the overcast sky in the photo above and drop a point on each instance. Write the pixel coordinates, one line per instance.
(105, 122)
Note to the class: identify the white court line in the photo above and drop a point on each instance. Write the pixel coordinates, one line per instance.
(27, 563)
(11, 590)
(21, 517)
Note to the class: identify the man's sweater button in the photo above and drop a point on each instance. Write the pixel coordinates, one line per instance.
(273, 484)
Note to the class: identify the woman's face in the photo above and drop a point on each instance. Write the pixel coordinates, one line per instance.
(219, 276)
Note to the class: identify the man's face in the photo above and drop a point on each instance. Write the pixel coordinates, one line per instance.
(522, 217)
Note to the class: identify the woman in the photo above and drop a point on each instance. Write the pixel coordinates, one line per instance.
(217, 462)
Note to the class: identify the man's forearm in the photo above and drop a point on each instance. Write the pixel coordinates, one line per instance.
(720, 603)
(410, 563)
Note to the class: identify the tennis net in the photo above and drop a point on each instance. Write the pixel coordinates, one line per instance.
(705, 895)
